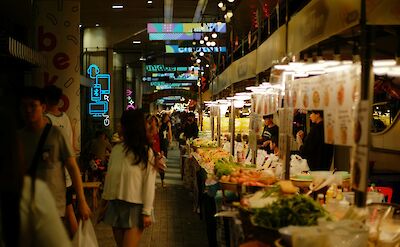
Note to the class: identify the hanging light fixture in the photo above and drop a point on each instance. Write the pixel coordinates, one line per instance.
(208, 43)
(220, 4)
(214, 35)
(201, 54)
(201, 42)
(198, 60)
(206, 38)
(231, 1)
(213, 43)
(229, 13)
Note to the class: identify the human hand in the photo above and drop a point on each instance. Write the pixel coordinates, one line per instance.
(160, 164)
(84, 210)
(146, 221)
(266, 143)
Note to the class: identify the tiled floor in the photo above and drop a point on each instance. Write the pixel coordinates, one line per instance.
(176, 224)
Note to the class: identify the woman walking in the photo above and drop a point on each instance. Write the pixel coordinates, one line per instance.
(130, 182)
(165, 134)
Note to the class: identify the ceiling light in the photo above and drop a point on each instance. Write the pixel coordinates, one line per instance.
(213, 43)
(201, 53)
(118, 6)
(97, 24)
(223, 8)
(208, 43)
(220, 4)
(142, 58)
(136, 42)
(219, 23)
(214, 35)
(207, 65)
(149, 1)
(201, 42)
(231, 1)
(198, 60)
(205, 38)
(194, 42)
(80, 25)
(229, 13)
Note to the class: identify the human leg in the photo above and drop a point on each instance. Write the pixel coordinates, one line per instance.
(132, 237)
(118, 236)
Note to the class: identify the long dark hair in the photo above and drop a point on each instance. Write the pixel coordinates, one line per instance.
(134, 134)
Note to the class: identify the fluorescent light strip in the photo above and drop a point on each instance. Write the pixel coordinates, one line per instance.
(118, 6)
(136, 42)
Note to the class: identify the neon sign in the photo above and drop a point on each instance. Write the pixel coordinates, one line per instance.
(163, 68)
(186, 27)
(99, 94)
(131, 103)
(205, 49)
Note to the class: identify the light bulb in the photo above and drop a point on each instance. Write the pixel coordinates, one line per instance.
(231, 1)
(213, 43)
(223, 8)
(201, 54)
(198, 60)
(194, 42)
(202, 42)
(229, 13)
(207, 65)
(208, 43)
(214, 35)
(205, 38)
(220, 4)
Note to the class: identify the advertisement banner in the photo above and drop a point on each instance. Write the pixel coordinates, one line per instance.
(319, 20)
(57, 31)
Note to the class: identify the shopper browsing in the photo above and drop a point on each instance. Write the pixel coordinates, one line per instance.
(54, 154)
(130, 182)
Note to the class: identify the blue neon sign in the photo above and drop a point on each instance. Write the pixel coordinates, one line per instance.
(205, 49)
(99, 94)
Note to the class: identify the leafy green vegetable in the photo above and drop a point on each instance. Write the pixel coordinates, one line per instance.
(224, 167)
(298, 210)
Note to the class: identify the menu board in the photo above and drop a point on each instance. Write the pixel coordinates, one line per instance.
(337, 94)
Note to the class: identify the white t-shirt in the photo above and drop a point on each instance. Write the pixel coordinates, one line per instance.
(40, 222)
(64, 124)
(128, 182)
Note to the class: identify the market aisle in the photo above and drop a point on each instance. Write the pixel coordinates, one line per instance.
(176, 225)
(173, 172)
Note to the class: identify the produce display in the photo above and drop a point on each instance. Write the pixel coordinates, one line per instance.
(297, 210)
(200, 142)
(206, 157)
(248, 177)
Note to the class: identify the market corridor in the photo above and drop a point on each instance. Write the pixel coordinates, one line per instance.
(176, 224)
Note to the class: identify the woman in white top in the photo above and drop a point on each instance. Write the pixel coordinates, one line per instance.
(130, 182)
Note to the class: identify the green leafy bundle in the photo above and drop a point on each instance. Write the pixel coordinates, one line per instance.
(224, 167)
(298, 210)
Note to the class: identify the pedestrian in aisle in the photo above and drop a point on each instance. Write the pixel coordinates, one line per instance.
(28, 214)
(130, 182)
(154, 139)
(165, 134)
(55, 153)
(60, 119)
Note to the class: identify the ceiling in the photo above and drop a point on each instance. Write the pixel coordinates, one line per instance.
(133, 18)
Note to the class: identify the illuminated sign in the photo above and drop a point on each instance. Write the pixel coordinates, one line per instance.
(205, 49)
(163, 68)
(186, 27)
(165, 87)
(99, 94)
(178, 84)
(181, 77)
(130, 103)
(175, 36)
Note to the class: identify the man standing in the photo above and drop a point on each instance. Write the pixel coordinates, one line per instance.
(271, 130)
(53, 155)
(60, 119)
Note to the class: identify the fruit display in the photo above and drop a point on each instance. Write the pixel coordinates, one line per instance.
(205, 143)
(247, 177)
(206, 157)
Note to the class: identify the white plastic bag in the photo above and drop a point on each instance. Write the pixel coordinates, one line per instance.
(298, 165)
(85, 236)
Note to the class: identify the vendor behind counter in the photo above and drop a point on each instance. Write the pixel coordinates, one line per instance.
(313, 148)
(271, 130)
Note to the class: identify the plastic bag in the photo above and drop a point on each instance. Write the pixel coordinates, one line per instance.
(298, 165)
(85, 236)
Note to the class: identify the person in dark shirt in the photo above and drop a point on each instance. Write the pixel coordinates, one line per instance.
(318, 154)
(191, 129)
(271, 130)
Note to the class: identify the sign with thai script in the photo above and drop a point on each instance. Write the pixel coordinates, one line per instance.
(205, 49)
(163, 68)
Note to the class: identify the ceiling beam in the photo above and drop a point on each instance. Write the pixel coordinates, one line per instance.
(201, 7)
(168, 10)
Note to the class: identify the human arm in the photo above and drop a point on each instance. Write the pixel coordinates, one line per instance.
(169, 132)
(149, 181)
(75, 174)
